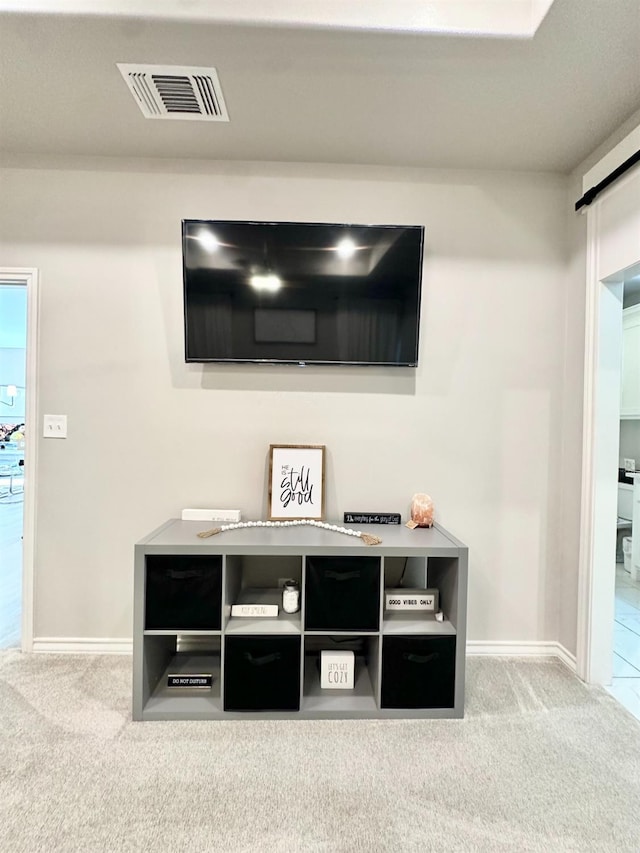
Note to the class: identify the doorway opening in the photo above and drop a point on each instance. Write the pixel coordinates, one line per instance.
(625, 682)
(13, 382)
(18, 453)
(606, 613)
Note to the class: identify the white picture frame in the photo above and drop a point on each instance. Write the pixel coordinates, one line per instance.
(296, 482)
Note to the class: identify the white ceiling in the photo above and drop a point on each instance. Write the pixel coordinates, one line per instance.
(319, 93)
(491, 17)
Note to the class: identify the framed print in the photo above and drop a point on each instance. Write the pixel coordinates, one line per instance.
(296, 481)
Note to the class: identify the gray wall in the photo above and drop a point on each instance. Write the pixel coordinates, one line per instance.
(481, 425)
(570, 473)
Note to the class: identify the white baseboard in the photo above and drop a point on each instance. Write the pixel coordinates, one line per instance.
(106, 646)
(82, 646)
(544, 648)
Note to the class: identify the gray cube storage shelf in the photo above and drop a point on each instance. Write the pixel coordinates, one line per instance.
(408, 664)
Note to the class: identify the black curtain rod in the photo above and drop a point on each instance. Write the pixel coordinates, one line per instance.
(591, 194)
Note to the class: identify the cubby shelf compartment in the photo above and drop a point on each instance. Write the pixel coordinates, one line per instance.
(180, 654)
(415, 623)
(362, 699)
(182, 589)
(168, 702)
(283, 623)
(248, 566)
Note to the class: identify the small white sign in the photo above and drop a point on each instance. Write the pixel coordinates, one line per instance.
(337, 670)
(411, 599)
(252, 610)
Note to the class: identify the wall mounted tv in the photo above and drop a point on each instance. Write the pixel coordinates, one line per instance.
(301, 293)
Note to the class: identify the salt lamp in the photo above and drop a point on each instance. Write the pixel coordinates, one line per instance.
(422, 510)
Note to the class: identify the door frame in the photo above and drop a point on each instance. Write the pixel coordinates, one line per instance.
(613, 250)
(28, 277)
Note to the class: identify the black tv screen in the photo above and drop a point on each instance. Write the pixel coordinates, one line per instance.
(301, 293)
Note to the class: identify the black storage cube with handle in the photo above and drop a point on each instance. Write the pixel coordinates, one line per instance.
(183, 593)
(342, 594)
(418, 672)
(262, 673)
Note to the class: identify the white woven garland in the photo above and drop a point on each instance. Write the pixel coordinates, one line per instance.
(367, 538)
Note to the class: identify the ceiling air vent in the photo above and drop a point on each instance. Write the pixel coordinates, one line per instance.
(171, 91)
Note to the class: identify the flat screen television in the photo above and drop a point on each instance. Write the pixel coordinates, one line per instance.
(301, 293)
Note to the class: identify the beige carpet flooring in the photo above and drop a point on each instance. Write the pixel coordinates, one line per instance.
(540, 763)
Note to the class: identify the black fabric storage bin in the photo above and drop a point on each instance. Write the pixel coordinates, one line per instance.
(418, 672)
(262, 673)
(183, 593)
(342, 594)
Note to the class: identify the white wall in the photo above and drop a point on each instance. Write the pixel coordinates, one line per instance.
(12, 372)
(629, 442)
(478, 425)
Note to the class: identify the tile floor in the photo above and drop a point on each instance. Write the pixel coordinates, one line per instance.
(626, 642)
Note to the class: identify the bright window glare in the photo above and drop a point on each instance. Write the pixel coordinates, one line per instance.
(208, 241)
(269, 282)
(346, 248)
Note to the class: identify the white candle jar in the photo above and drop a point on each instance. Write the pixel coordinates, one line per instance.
(291, 597)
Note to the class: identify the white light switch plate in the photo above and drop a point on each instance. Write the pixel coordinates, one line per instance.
(629, 464)
(55, 426)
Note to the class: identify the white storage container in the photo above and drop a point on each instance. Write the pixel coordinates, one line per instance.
(626, 550)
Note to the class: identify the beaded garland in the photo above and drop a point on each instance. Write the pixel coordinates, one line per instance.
(367, 538)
